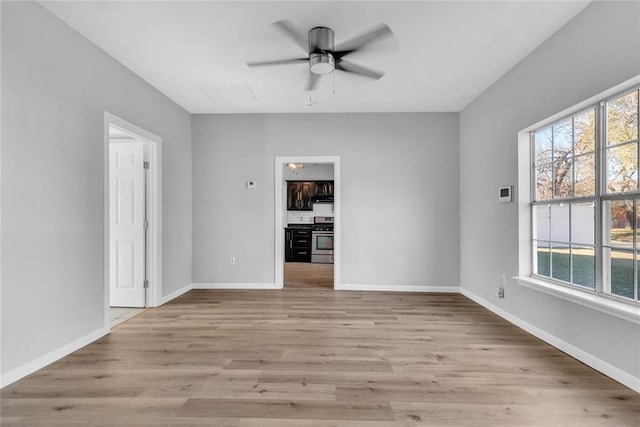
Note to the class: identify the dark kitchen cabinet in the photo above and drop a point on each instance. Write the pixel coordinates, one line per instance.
(323, 188)
(297, 243)
(299, 194)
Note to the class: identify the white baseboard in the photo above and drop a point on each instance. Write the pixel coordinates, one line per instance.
(573, 351)
(234, 286)
(39, 363)
(392, 288)
(175, 294)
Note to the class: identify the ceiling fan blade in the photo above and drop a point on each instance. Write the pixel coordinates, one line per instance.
(289, 30)
(277, 62)
(364, 39)
(350, 67)
(312, 81)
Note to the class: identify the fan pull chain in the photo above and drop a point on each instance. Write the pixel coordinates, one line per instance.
(334, 81)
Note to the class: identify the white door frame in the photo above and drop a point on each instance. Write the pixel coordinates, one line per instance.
(154, 210)
(280, 216)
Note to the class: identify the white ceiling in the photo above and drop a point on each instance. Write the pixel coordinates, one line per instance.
(442, 55)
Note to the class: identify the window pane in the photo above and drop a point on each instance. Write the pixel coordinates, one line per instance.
(584, 132)
(543, 182)
(622, 168)
(563, 139)
(622, 119)
(543, 145)
(544, 258)
(541, 222)
(560, 263)
(560, 223)
(563, 178)
(621, 217)
(583, 223)
(621, 273)
(584, 266)
(585, 168)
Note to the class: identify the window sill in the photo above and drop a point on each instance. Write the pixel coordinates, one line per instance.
(605, 305)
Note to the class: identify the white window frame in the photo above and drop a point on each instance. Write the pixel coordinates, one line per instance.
(568, 201)
(592, 298)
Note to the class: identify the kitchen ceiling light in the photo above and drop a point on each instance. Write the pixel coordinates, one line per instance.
(295, 167)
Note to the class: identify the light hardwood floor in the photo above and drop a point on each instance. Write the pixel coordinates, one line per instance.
(312, 356)
(307, 275)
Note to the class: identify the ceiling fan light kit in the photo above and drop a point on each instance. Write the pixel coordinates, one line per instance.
(322, 56)
(321, 63)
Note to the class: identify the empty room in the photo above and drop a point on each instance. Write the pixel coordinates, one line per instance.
(320, 213)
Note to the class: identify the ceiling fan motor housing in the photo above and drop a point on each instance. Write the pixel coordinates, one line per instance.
(321, 60)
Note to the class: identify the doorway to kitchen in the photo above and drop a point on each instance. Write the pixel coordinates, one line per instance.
(307, 221)
(132, 236)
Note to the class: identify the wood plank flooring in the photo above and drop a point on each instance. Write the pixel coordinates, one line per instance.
(305, 274)
(311, 356)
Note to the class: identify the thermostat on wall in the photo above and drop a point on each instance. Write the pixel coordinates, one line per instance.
(504, 194)
(251, 184)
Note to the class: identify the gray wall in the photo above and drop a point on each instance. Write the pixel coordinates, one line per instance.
(56, 86)
(597, 50)
(399, 177)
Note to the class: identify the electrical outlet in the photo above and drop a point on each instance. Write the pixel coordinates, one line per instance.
(500, 293)
(504, 280)
(400, 262)
(232, 260)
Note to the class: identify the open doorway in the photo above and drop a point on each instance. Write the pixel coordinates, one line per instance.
(307, 222)
(132, 219)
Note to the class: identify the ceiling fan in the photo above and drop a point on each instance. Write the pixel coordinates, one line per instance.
(322, 56)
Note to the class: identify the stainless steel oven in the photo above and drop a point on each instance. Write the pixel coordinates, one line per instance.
(322, 240)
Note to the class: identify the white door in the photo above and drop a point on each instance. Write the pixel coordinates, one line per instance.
(126, 223)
